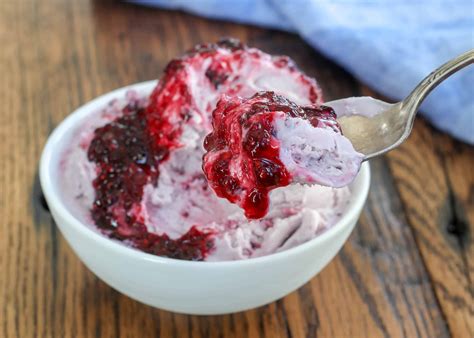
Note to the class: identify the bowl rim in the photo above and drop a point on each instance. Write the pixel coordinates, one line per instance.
(55, 202)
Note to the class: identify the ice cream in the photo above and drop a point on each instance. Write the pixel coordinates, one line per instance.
(267, 141)
(134, 170)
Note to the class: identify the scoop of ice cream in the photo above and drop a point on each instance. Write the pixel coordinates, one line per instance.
(140, 179)
(267, 141)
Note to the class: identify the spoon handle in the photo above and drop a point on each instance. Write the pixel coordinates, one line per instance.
(416, 97)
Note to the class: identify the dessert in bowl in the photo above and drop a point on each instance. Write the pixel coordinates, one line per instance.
(126, 188)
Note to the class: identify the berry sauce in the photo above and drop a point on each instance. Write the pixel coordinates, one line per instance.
(242, 162)
(127, 155)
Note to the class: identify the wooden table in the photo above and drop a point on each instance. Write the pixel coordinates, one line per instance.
(406, 271)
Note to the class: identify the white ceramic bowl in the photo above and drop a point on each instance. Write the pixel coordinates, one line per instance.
(186, 286)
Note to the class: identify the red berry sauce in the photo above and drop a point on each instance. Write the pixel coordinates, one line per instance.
(242, 162)
(127, 156)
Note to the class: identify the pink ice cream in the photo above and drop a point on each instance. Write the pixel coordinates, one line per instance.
(134, 169)
(266, 142)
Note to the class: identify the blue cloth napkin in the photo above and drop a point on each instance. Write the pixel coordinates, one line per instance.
(389, 45)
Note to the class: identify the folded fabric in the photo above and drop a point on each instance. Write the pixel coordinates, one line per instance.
(389, 45)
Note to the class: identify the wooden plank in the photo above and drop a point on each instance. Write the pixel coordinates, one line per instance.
(381, 287)
(435, 177)
(57, 55)
(438, 195)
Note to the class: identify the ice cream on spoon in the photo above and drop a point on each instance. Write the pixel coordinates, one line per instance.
(266, 142)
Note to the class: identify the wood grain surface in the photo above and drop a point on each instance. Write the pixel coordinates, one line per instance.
(406, 271)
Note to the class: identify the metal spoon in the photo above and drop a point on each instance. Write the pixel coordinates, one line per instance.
(375, 127)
